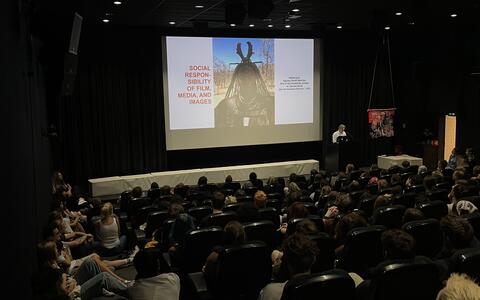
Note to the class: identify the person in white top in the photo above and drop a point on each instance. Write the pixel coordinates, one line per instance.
(340, 132)
(149, 284)
(107, 231)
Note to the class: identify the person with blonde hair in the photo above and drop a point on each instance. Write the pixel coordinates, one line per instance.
(459, 287)
(107, 232)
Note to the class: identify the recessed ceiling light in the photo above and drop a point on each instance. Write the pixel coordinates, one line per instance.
(105, 20)
(296, 10)
(199, 6)
(171, 23)
(287, 26)
(339, 26)
(387, 27)
(398, 13)
(453, 15)
(251, 25)
(233, 25)
(270, 25)
(411, 23)
(117, 2)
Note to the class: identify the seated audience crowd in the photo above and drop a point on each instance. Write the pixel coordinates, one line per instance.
(177, 242)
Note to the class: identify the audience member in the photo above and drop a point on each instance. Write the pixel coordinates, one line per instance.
(260, 199)
(412, 214)
(108, 232)
(137, 192)
(459, 287)
(345, 224)
(458, 233)
(149, 284)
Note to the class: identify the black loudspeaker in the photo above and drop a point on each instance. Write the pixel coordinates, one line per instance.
(235, 12)
(259, 9)
(69, 73)
(70, 60)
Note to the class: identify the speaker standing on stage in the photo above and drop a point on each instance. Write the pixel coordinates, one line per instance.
(340, 132)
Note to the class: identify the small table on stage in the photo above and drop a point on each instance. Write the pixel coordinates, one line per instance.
(385, 162)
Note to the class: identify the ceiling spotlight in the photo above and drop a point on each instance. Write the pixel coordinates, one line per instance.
(270, 25)
(199, 6)
(411, 23)
(117, 2)
(233, 25)
(287, 26)
(398, 13)
(171, 23)
(387, 27)
(339, 26)
(453, 15)
(251, 25)
(105, 20)
(296, 10)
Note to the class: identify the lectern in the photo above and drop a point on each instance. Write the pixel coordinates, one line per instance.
(339, 155)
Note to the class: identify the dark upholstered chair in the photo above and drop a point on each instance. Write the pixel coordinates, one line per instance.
(428, 236)
(221, 219)
(332, 284)
(389, 216)
(261, 231)
(271, 214)
(435, 209)
(363, 249)
(467, 261)
(413, 281)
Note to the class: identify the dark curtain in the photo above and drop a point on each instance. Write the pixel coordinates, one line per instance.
(26, 164)
(113, 124)
(348, 70)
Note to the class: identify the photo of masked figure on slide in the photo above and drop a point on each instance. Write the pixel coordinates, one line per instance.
(247, 101)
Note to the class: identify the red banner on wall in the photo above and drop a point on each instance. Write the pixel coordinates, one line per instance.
(381, 122)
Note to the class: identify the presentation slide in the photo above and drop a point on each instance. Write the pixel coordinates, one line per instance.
(223, 92)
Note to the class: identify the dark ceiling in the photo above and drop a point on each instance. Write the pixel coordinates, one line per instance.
(313, 15)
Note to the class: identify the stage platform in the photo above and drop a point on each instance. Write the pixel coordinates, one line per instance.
(108, 186)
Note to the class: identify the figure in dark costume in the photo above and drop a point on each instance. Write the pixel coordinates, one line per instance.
(247, 101)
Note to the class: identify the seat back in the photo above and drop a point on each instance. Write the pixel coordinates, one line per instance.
(221, 219)
(261, 231)
(389, 216)
(198, 213)
(363, 248)
(428, 236)
(271, 214)
(467, 261)
(435, 209)
(274, 203)
(366, 205)
(251, 190)
(474, 220)
(198, 245)
(232, 207)
(444, 185)
(163, 235)
(406, 199)
(242, 271)
(155, 220)
(416, 281)
(441, 195)
(326, 256)
(139, 216)
(332, 284)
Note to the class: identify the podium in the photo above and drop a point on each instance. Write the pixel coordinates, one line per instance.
(339, 155)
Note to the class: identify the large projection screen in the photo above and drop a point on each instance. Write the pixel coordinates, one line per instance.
(221, 92)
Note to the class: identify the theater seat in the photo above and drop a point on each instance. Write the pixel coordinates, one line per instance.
(406, 199)
(221, 219)
(441, 195)
(467, 261)
(412, 281)
(261, 231)
(474, 220)
(241, 273)
(389, 216)
(271, 214)
(366, 205)
(155, 221)
(363, 249)
(232, 207)
(198, 245)
(428, 236)
(332, 284)
(326, 256)
(198, 213)
(435, 209)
